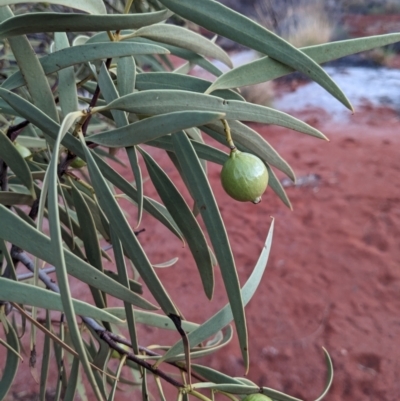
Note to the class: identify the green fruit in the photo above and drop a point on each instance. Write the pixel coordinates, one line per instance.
(23, 151)
(78, 163)
(256, 397)
(244, 177)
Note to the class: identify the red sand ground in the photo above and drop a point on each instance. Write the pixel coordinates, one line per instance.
(333, 278)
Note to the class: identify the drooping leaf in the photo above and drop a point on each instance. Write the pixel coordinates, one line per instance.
(220, 19)
(153, 102)
(225, 316)
(9, 153)
(184, 38)
(329, 378)
(266, 68)
(127, 237)
(31, 71)
(67, 92)
(64, 22)
(153, 127)
(126, 75)
(204, 198)
(186, 221)
(22, 293)
(12, 359)
(15, 198)
(82, 54)
(89, 6)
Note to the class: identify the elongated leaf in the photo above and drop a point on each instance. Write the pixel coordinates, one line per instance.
(15, 230)
(44, 371)
(277, 187)
(266, 68)
(90, 241)
(329, 378)
(167, 80)
(220, 19)
(185, 220)
(224, 316)
(15, 198)
(12, 360)
(229, 388)
(90, 6)
(14, 291)
(203, 195)
(10, 154)
(203, 151)
(126, 75)
(137, 173)
(31, 71)
(127, 237)
(50, 128)
(67, 92)
(63, 22)
(82, 54)
(124, 280)
(252, 141)
(72, 381)
(184, 38)
(153, 127)
(166, 101)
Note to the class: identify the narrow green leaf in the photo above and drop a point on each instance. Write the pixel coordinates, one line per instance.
(31, 71)
(214, 376)
(329, 378)
(225, 316)
(112, 394)
(44, 370)
(12, 359)
(67, 93)
(22, 293)
(266, 68)
(222, 20)
(124, 280)
(126, 75)
(184, 38)
(203, 195)
(89, 238)
(72, 381)
(89, 6)
(229, 388)
(153, 102)
(167, 80)
(153, 319)
(15, 198)
(133, 285)
(18, 232)
(153, 127)
(277, 187)
(203, 151)
(252, 141)
(19, 166)
(185, 220)
(137, 173)
(66, 22)
(82, 54)
(50, 128)
(127, 237)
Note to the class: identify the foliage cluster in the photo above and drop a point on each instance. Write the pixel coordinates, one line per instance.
(116, 87)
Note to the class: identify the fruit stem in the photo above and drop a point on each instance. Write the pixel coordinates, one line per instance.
(228, 135)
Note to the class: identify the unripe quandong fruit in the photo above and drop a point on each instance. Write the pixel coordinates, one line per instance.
(78, 163)
(244, 177)
(256, 397)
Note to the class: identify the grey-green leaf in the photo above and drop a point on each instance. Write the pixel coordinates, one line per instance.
(127, 237)
(184, 38)
(185, 220)
(204, 198)
(10, 154)
(166, 101)
(222, 20)
(58, 22)
(153, 127)
(266, 68)
(82, 54)
(14, 291)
